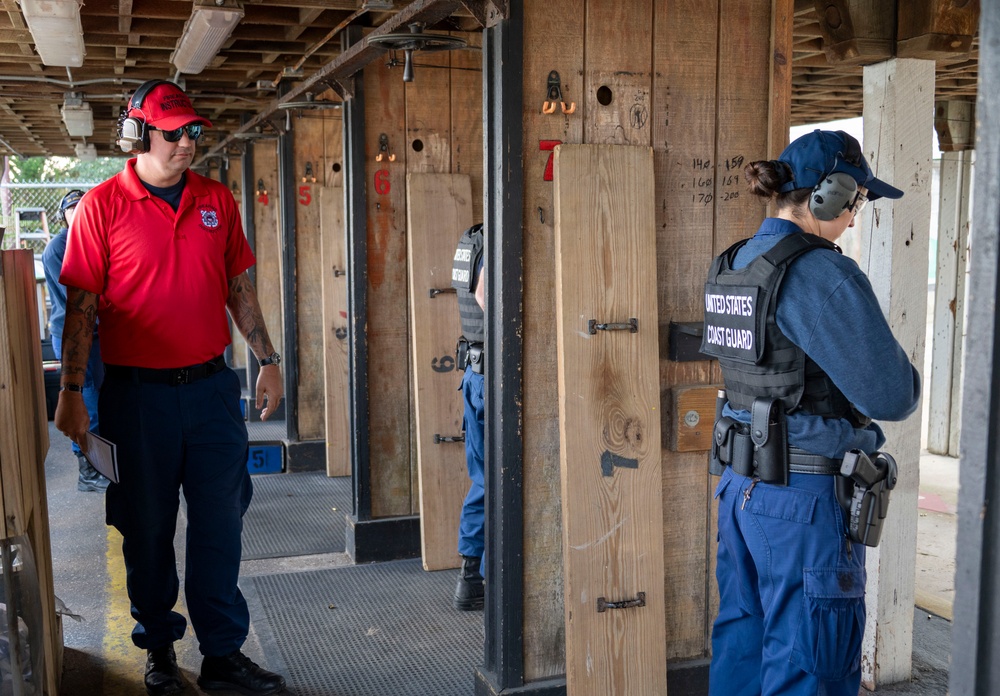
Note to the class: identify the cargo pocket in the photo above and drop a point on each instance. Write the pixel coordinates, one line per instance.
(828, 642)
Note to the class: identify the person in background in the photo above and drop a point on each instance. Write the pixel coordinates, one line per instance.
(158, 255)
(52, 259)
(468, 277)
(808, 361)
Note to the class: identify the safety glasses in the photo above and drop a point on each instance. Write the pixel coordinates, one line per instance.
(858, 204)
(193, 131)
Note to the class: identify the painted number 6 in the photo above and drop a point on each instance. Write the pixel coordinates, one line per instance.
(382, 182)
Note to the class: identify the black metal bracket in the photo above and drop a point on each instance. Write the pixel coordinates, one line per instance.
(438, 439)
(639, 601)
(632, 326)
(434, 292)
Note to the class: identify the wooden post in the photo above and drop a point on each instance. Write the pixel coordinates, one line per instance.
(944, 382)
(389, 400)
(898, 108)
(553, 39)
(265, 204)
(953, 122)
(308, 171)
(334, 263)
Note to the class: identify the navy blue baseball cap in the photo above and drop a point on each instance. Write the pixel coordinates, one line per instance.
(70, 199)
(816, 155)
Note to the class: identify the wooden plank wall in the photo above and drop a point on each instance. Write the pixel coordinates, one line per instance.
(24, 442)
(268, 240)
(318, 144)
(234, 175)
(691, 79)
(334, 261)
(440, 103)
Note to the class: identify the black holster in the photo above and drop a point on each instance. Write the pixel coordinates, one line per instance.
(864, 495)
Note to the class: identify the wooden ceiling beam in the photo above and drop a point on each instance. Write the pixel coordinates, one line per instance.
(935, 29)
(343, 67)
(856, 33)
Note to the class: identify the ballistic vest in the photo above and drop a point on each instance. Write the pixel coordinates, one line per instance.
(463, 277)
(756, 358)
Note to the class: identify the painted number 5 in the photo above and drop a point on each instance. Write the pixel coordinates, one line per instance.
(382, 182)
(305, 197)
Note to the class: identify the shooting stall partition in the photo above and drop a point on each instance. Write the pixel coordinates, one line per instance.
(707, 87)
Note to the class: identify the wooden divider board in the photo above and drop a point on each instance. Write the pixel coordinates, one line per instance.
(334, 263)
(308, 146)
(439, 208)
(609, 419)
(24, 443)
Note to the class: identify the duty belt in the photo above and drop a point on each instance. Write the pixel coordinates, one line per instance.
(172, 376)
(735, 448)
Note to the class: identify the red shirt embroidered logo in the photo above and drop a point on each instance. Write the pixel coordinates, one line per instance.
(209, 219)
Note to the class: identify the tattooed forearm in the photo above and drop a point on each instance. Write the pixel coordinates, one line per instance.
(78, 332)
(246, 314)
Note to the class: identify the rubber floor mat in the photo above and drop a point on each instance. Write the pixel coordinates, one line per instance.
(296, 515)
(385, 629)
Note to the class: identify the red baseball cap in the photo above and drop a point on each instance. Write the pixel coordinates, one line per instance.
(167, 107)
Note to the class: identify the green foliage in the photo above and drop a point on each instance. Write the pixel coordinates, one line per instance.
(59, 169)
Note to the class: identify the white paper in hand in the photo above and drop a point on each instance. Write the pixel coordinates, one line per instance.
(103, 456)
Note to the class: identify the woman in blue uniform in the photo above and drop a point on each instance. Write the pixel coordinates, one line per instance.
(816, 346)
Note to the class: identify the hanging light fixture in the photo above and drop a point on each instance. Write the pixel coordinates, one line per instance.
(85, 152)
(416, 40)
(208, 27)
(56, 29)
(77, 115)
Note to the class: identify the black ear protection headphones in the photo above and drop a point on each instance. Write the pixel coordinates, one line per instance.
(68, 201)
(133, 135)
(836, 190)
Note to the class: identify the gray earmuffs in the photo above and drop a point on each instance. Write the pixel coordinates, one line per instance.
(836, 190)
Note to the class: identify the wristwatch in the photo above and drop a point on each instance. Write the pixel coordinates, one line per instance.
(272, 359)
(72, 387)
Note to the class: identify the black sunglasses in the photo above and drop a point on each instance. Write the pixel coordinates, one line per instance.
(193, 131)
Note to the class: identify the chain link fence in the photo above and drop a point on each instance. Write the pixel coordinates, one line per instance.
(29, 212)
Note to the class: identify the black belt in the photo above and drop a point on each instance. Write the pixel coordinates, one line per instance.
(173, 376)
(800, 462)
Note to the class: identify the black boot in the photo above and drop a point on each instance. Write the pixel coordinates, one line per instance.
(238, 672)
(469, 592)
(162, 676)
(90, 478)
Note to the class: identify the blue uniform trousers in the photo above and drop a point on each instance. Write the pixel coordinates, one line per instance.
(471, 537)
(91, 382)
(792, 608)
(189, 437)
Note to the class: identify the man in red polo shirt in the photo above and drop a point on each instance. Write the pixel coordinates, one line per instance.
(158, 254)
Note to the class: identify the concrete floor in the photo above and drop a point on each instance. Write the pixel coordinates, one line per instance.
(100, 659)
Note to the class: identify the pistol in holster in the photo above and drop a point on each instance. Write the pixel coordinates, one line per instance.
(863, 492)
